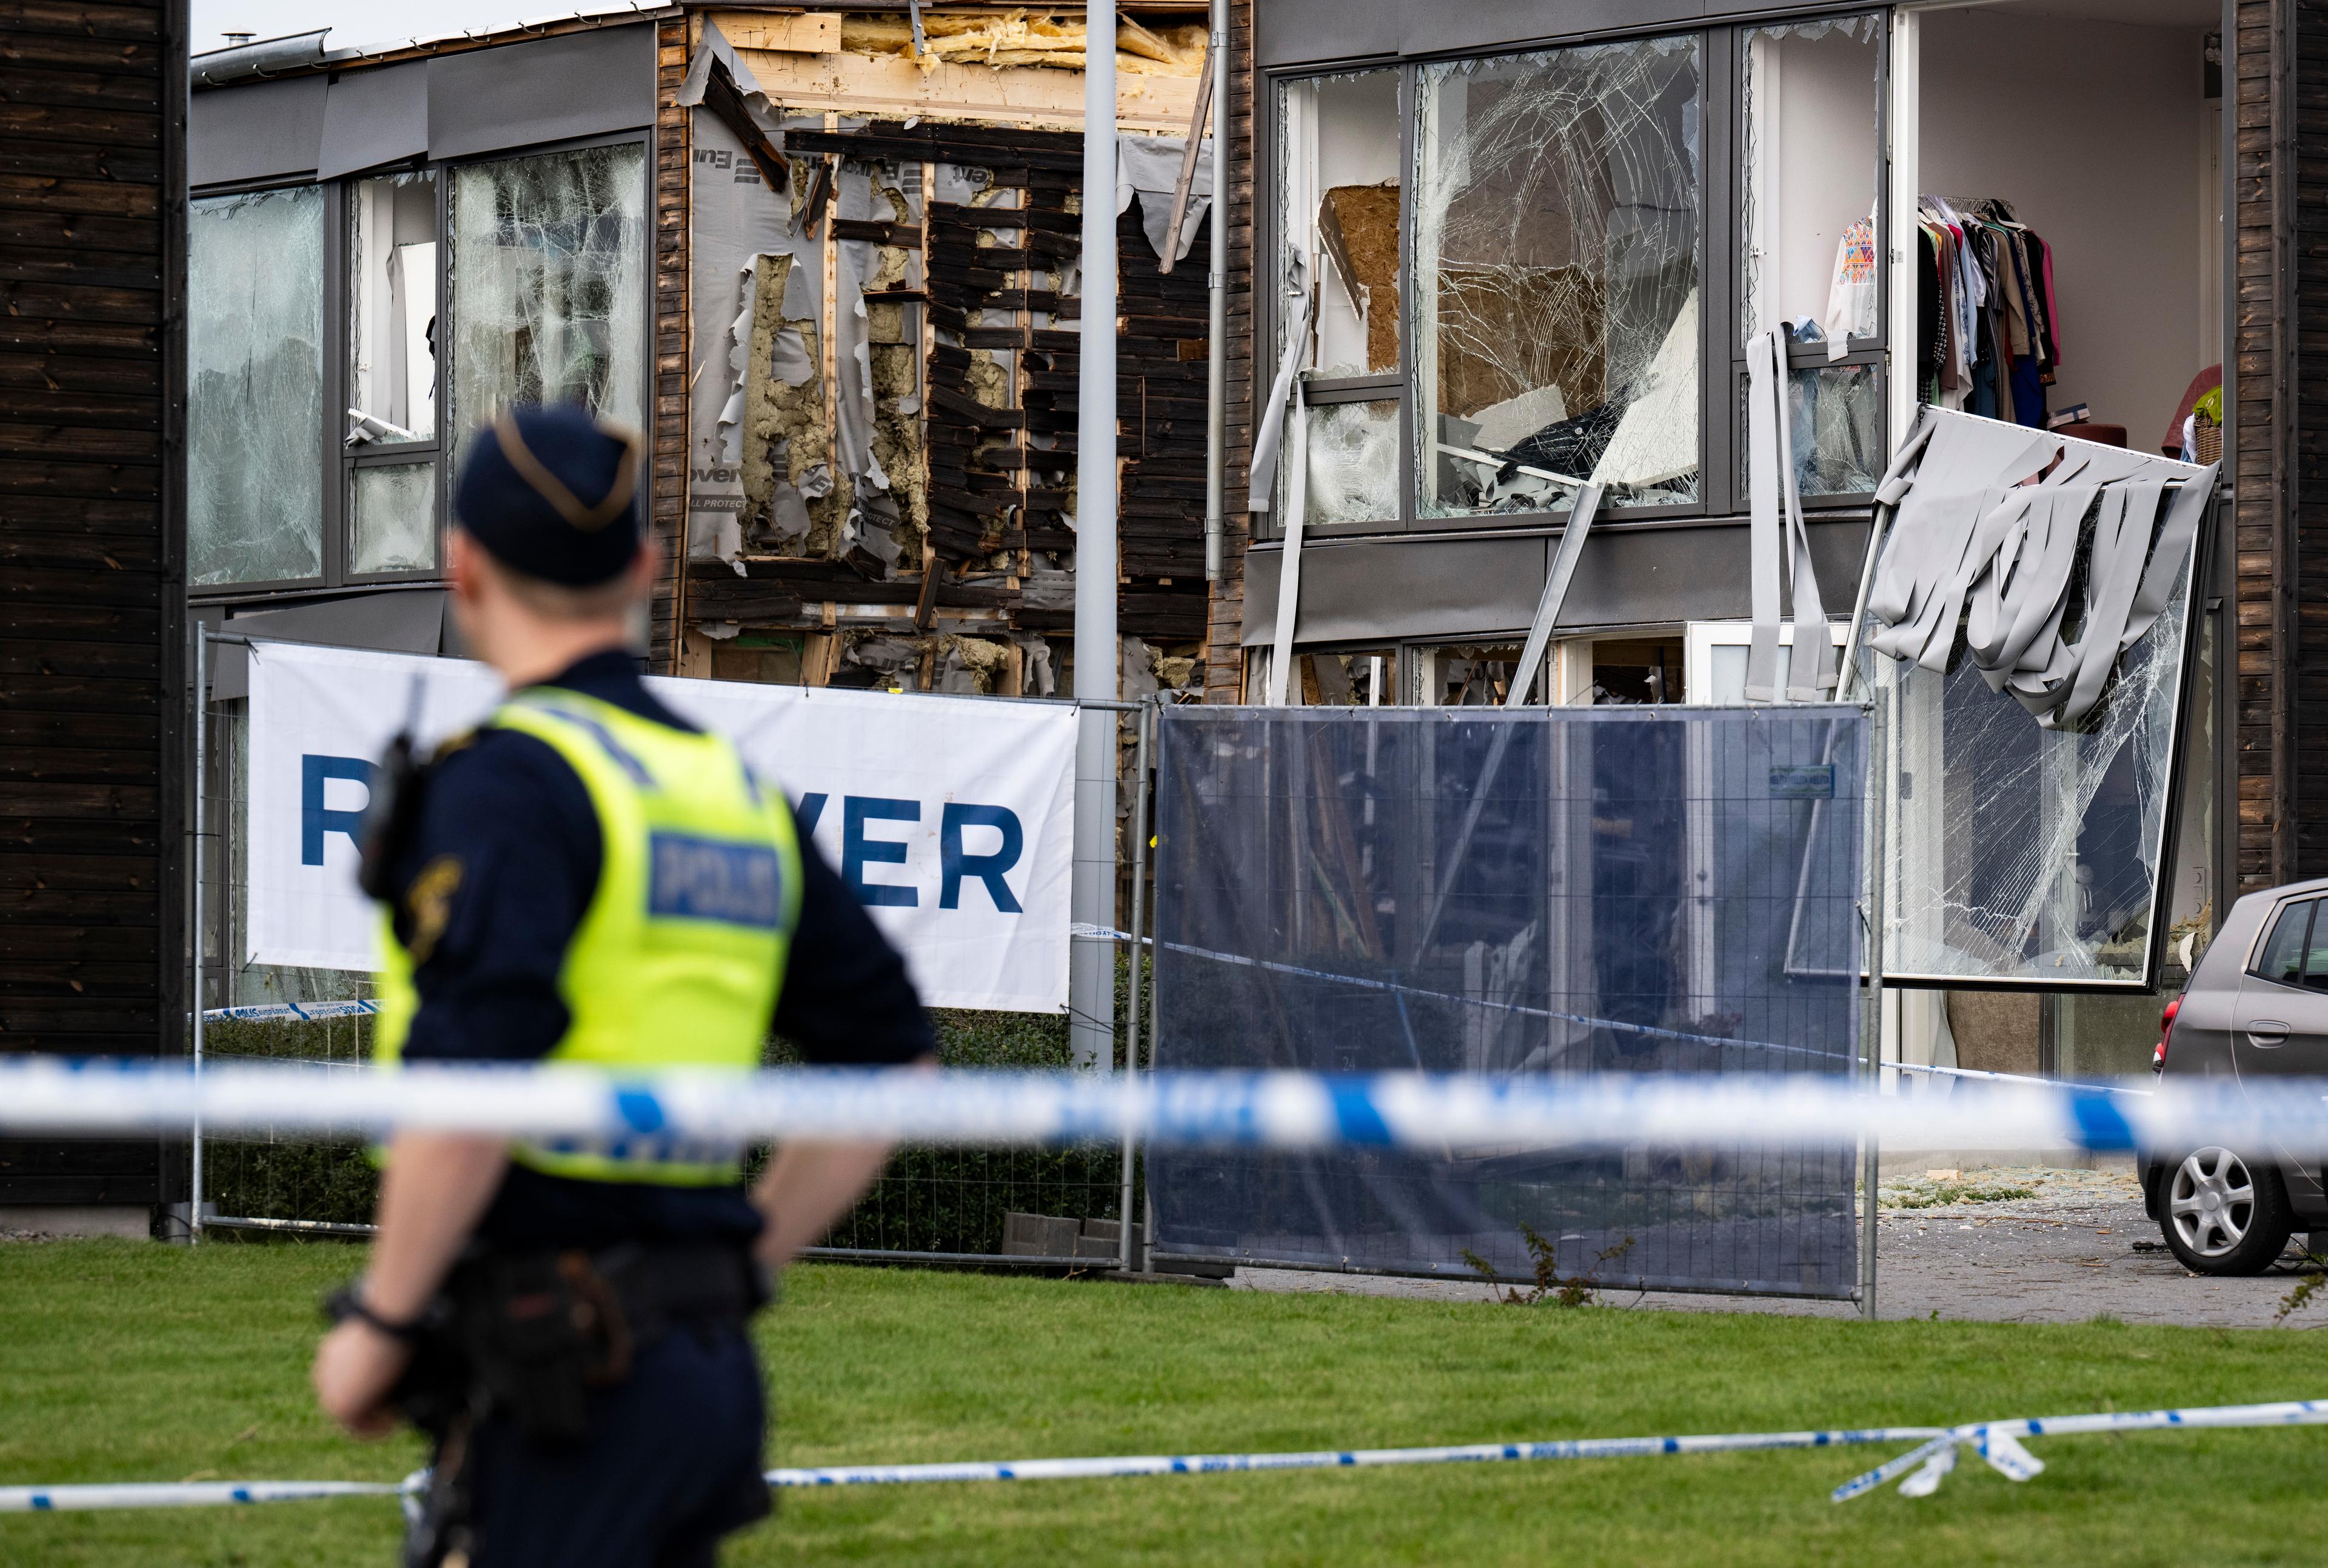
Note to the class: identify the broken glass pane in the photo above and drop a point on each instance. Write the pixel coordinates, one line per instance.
(2018, 852)
(254, 387)
(1834, 426)
(392, 326)
(1338, 209)
(392, 518)
(1353, 467)
(549, 283)
(1558, 213)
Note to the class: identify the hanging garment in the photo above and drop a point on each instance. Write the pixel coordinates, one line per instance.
(1853, 297)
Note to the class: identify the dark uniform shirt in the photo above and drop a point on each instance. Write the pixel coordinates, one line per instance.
(488, 899)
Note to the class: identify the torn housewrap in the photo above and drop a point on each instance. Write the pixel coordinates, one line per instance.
(1990, 528)
(873, 520)
(1149, 168)
(714, 50)
(736, 227)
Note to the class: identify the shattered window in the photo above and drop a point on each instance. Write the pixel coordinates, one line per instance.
(2018, 852)
(391, 518)
(1556, 253)
(254, 387)
(1339, 213)
(1835, 429)
(549, 283)
(392, 299)
(1351, 473)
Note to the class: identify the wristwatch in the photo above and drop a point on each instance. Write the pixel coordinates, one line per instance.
(347, 1301)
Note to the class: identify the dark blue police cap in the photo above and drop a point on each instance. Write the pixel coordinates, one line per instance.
(553, 491)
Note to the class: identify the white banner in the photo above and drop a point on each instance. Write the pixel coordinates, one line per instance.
(950, 817)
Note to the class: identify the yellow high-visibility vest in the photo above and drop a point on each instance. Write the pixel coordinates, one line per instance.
(679, 957)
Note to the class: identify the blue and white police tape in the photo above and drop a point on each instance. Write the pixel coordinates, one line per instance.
(290, 1011)
(1446, 1115)
(1997, 1441)
(1978, 1074)
(68, 1499)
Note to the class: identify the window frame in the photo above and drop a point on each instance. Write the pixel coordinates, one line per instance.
(370, 455)
(1875, 350)
(1721, 262)
(340, 462)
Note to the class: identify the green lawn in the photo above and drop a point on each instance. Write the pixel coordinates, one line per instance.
(129, 1362)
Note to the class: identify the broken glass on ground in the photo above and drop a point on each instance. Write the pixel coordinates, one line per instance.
(1558, 218)
(549, 283)
(254, 387)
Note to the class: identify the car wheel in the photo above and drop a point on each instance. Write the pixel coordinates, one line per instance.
(2223, 1216)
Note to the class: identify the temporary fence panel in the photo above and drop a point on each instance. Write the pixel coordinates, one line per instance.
(1547, 891)
(950, 817)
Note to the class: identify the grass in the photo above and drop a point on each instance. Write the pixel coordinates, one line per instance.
(129, 1362)
(1946, 1194)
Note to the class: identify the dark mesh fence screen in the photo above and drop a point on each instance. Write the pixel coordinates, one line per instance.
(1545, 891)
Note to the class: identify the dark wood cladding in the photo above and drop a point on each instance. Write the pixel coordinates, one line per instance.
(667, 516)
(1225, 652)
(91, 579)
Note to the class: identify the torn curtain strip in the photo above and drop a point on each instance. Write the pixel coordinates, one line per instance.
(1988, 533)
(1779, 541)
(1269, 434)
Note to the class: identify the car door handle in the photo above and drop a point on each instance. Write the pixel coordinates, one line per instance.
(2267, 1033)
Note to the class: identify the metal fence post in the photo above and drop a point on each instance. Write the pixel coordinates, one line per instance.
(1126, 1255)
(202, 798)
(1872, 1045)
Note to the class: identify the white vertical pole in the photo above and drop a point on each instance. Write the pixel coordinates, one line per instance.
(1903, 120)
(201, 796)
(1090, 972)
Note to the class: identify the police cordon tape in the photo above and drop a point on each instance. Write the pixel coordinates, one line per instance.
(1273, 1110)
(1996, 1442)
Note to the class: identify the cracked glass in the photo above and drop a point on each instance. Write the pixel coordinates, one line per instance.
(392, 518)
(549, 283)
(1352, 474)
(1558, 209)
(2016, 852)
(254, 387)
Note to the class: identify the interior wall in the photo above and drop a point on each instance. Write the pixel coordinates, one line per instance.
(2092, 131)
(1819, 95)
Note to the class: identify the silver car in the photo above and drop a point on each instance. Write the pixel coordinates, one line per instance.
(2255, 1010)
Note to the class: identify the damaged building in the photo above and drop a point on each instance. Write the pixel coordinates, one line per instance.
(828, 260)
(1577, 332)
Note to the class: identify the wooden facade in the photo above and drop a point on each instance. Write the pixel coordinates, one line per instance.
(1225, 654)
(92, 203)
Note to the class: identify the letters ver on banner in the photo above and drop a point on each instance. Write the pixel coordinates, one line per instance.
(949, 817)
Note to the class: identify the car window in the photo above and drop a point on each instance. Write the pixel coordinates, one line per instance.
(2285, 950)
(2315, 957)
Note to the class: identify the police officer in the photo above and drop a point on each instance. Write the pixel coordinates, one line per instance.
(590, 879)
